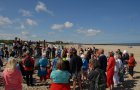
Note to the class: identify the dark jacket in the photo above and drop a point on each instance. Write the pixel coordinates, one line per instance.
(124, 58)
(75, 64)
(103, 62)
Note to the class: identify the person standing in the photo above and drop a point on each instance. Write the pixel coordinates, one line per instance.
(110, 70)
(96, 76)
(118, 67)
(42, 71)
(12, 76)
(131, 64)
(60, 77)
(125, 58)
(75, 68)
(54, 62)
(84, 67)
(53, 52)
(28, 64)
(102, 60)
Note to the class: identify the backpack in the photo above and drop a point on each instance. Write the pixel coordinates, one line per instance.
(135, 63)
(100, 82)
(28, 63)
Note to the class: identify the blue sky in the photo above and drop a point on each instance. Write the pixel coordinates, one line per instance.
(84, 21)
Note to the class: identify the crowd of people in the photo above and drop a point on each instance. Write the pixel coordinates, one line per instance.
(64, 66)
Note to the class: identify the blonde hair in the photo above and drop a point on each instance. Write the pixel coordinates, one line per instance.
(11, 64)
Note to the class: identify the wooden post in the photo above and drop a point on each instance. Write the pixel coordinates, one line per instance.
(44, 44)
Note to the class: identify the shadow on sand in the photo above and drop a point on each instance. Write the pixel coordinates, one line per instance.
(127, 85)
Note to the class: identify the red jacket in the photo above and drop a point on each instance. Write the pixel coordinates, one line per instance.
(23, 62)
(131, 61)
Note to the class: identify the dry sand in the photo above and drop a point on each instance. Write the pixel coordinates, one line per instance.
(128, 84)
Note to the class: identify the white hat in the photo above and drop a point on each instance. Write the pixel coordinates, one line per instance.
(124, 52)
(43, 54)
(82, 56)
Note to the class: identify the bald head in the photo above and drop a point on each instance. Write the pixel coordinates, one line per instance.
(101, 51)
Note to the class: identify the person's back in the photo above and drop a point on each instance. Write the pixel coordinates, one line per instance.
(42, 70)
(60, 76)
(125, 58)
(75, 64)
(102, 59)
(103, 62)
(28, 64)
(66, 65)
(75, 69)
(27, 61)
(43, 62)
(97, 79)
(13, 79)
(96, 76)
(12, 76)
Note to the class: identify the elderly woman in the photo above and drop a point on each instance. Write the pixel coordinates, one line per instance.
(97, 76)
(12, 76)
(118, 67)
(60, 77)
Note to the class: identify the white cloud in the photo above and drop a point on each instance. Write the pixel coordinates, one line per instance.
(25, 12)
(5, 20)
(25, 33)
(7, 36)
(34, 36)
(89, 32)
(68, 24)
(31, 22)
(59, 27)
(41, 7)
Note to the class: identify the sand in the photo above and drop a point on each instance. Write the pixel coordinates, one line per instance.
(128, 84)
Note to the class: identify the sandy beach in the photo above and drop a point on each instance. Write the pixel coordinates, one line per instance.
(127, 85)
